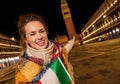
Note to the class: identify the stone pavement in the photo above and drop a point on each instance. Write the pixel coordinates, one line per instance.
(7, 75)
(97, 63)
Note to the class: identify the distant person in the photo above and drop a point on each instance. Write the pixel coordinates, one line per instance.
(39, 54)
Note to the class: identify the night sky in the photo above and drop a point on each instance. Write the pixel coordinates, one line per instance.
(81, 11)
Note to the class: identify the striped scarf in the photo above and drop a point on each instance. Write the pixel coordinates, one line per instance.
(34, 63)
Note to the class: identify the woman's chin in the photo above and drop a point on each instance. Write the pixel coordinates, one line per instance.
(41, 47)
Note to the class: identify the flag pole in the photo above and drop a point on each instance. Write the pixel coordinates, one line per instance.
(66, 70)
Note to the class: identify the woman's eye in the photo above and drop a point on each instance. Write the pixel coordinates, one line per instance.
(41, 31)
(32, 34)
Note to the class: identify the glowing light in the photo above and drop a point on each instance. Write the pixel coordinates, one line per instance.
(93, 25)
(110, 32)
(117, 30)
(13, 38)
(113, 31)
(104, 16)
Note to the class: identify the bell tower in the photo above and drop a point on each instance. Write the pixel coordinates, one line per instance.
(68, 19)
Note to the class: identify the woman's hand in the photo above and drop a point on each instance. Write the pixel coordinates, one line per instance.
(70, 44)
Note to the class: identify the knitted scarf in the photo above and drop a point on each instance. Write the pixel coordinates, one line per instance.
(33, 62)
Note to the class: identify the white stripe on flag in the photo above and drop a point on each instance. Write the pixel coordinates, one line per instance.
(49, 78)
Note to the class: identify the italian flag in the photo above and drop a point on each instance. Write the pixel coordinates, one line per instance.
(56, 74)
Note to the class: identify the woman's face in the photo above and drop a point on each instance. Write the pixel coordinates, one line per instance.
(36, 35)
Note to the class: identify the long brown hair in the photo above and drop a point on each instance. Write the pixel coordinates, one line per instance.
(23, 20)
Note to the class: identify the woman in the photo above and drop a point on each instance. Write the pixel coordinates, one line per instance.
(38, 51)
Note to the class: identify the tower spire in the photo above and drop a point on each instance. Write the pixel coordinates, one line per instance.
(68, 19)
(63, 1)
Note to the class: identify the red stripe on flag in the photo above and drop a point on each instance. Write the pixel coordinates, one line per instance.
(39, 82)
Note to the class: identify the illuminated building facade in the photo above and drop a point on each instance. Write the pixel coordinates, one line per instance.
(9, 51)
(104, 24)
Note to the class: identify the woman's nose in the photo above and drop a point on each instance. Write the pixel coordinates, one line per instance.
(39, 36)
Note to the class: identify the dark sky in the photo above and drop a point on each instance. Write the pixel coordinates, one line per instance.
(81, 11)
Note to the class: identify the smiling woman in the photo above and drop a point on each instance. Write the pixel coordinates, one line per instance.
(45, 55)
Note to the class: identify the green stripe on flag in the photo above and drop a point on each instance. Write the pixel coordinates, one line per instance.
(59, 70)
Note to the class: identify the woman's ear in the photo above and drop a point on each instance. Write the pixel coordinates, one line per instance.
(25, 41)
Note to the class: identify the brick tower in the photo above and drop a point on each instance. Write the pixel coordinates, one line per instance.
(68, 19)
